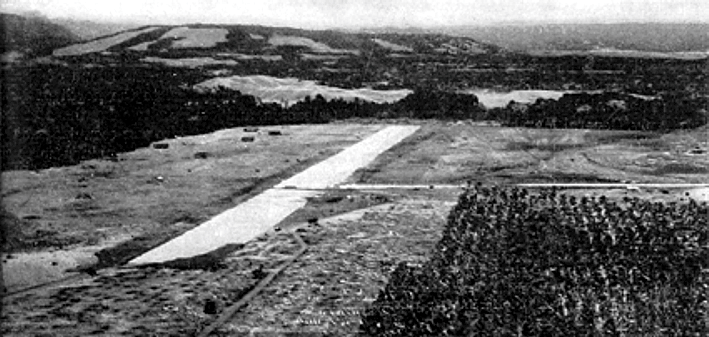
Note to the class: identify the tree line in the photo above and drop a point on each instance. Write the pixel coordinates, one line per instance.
(513, 262)
(59, 116)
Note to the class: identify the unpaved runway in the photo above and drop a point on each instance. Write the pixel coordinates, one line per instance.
(260, 213)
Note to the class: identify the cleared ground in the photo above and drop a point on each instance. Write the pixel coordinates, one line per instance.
(392, 46)
(291, 90)
(255, 216)
(101, 44)
(456, 152)
(494, 99)
(151, 195)
(316, 47)
(185, 37)
(349, 256)
(192, 62)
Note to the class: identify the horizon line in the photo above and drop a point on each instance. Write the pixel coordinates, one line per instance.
(505, 23)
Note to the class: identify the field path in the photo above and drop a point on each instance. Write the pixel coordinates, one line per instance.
(257, 215)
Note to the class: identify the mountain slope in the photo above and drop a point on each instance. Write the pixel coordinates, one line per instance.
(87, 30)
(289, 42)
(32, 36)
(658, 37)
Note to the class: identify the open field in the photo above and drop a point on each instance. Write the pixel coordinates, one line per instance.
(153, 194)
(492, 99)
(238, 56)
(196, 37)
(100, 44)
(315, 47)
(150, 195)
(609, 52)
(192, 62)
(392, 46)
(186, 37)
(291, 90)
(453, 153)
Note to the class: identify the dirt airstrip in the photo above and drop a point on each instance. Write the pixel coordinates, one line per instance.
(150, 195)
(327, 261)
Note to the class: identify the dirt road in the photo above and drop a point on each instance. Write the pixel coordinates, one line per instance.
(257, 215)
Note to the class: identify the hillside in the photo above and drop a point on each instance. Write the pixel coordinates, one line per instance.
(622, 39)
(564, 37)
(32, 36)
(87, 30)
(256, 40)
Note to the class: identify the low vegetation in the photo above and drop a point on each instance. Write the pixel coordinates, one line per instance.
(613, 111)
(515, 263)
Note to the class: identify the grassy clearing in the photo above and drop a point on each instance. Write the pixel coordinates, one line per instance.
(454, 153)
(100, 45)
(150, 195)
(492, 99)
(392, 46)
(196, 37)
(316, 47)
(290, 90)
(193, 62)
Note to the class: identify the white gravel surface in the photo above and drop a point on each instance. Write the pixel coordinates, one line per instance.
(260, 213)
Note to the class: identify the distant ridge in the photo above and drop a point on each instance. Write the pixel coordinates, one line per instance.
(87, 30)
(31, 36)
(521, 36)
(261, 40)
(655, 37)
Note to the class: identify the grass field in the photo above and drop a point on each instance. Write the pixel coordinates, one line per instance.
(193, 62)
(450, 153)
(291, 90)
(315, 47)
(100, 44)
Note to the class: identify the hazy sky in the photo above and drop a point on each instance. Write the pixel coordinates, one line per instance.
(368, 13)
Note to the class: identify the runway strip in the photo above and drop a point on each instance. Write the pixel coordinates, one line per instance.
(257, 215)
